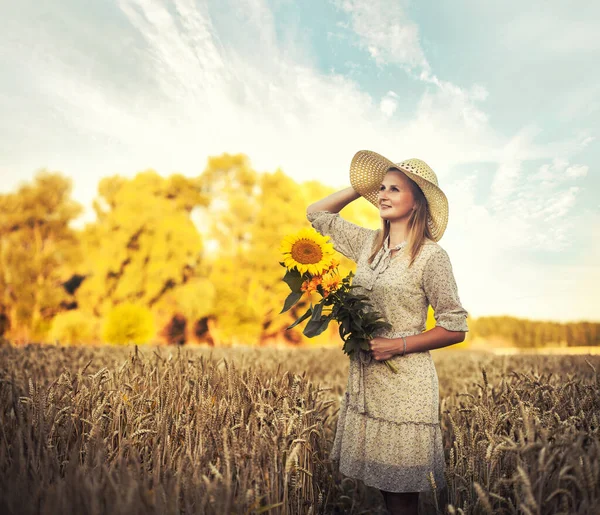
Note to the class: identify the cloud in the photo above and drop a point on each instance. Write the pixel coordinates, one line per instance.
(576, 171)
(460, 101)
(389, 103)
(506, 177)
(386, 32)
(559, 171)
(525, 210)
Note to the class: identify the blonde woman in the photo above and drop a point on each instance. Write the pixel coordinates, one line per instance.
(388, 433)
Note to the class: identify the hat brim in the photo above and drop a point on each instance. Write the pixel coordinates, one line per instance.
(367, 171)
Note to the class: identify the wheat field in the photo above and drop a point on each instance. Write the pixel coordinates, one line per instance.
(122, 430)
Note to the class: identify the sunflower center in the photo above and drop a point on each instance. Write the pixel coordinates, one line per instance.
(307, 252)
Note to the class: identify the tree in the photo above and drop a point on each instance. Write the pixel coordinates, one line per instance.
(144, 243)
(233, 188)
(37, 252)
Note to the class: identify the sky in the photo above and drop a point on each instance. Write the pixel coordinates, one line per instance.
(501, 99)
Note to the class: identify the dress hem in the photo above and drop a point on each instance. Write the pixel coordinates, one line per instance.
(440, 483)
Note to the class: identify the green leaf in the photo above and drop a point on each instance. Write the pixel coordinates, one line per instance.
(371, 317)
(381, 325)
(351, 345)
(364, 344)
(355, 324)
(293, 279)
(292, 298)
(346, 347)
(303, 317)
(316, 327)
(317, 311)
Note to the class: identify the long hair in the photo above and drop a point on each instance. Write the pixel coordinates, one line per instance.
(418, 229)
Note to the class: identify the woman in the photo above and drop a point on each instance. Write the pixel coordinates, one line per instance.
(388, 433)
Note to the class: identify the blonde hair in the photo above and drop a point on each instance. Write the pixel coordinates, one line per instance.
(418, 229)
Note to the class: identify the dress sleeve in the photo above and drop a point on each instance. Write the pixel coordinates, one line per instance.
(347, 238)
(442, 293)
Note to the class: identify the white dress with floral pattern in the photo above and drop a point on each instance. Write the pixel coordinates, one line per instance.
(388, 433)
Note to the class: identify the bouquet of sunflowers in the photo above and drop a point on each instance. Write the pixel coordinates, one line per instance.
(311, 265)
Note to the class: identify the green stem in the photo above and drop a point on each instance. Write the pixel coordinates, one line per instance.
(391, 366)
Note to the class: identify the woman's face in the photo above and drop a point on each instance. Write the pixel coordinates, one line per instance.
(396, 199)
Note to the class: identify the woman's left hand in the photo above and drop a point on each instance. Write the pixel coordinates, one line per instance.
(382, 348)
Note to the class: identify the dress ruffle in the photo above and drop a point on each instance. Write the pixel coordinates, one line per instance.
(390, 456)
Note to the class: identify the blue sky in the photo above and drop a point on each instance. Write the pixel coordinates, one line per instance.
(502, 100)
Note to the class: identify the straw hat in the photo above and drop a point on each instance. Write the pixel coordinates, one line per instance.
(368, 169)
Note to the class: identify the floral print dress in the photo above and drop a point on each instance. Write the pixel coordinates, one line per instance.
(388, 433)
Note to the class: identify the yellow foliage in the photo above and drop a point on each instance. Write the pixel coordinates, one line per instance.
(430, 324)
(144, 244)
(37, 251)
(74, 327)
(128, 323)
(193, 300)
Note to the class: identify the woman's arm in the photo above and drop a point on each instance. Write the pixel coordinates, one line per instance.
(348, 238)
(435, 338)
(335, 202)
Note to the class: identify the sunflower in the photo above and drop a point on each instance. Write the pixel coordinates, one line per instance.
(307, 251)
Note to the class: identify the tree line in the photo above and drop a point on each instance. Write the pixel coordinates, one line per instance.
(530, 333)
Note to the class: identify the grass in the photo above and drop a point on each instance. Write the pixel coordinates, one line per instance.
(248, 430)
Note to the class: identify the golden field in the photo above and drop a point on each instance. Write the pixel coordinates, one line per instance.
(118, 430)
